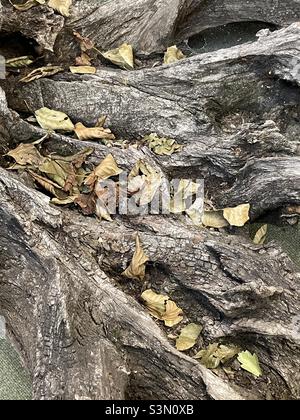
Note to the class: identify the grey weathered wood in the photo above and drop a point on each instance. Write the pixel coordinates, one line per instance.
(82, 329)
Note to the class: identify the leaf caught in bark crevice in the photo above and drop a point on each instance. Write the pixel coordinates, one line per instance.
(93, 133)
(261, 235)
(27, 154)
(155, 303)
(19, 62)
(216, 354)
(23, 7)
(162, 145)
(83, 70)
(107, 169)
(137, 267)
(250, 363)
(41, 72)
(173, 54)
(237, 216)
(144, 182)
(188, 337)
(162, 308)
(122, 56)
(52, 120)
(173, 314)
(214, 219)
(61, 6)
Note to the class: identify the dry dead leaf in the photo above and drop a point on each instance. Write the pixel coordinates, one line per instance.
(173, 314)
(237, 216)
(83, 60)
(186, 190)
(64, 202)
(19, 62)
(161, 145)
(208, 358)
(22, 7)
(49, 186)
(52, 120)
(172, 55)
(83, 70)
(107, 169)
(85, 43)
(261, 235)
(87, 202)
(188, 337)
(27, 154)
(41, 72)
(61, 6)
(147, 179)
(122, 56)
(77, 160)
(137, 268)
(216, 354)
(155, 303)
(214, 219)
(94, 133)
(162, 308)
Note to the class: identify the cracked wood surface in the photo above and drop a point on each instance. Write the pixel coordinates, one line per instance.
(80, 328)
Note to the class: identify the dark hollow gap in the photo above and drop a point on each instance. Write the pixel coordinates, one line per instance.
(227, 36)
(16, 45)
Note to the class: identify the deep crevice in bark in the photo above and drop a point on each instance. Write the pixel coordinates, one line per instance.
(81, 328)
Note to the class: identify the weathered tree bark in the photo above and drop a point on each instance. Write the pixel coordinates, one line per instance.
(80, 328)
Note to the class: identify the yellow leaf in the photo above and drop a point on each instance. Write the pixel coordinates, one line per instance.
(101, 211)
(49, 186)
(53, 120)
(149, 182)
(27, 5)
(27, 154)
(97, 133)
(173, 314)
(237, 216)
(188, 337)
(19, 62)
(83, 70)
(226, 353)
(214, 219)
(195, 212)
(162, 145)
(261, 235)
(250, 363)
(122, 56)
(186, 189)
(41, 72)
(107, 168)
(137, 268)
(172, 55)
(61, 6)
(208, 357)
(63, 202)
(155, 303)
(216, 354)
(61, 172)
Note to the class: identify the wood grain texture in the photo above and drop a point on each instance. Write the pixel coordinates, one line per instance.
(81, 328)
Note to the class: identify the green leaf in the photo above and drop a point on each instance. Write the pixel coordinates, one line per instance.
(19, 62)
(216, 354)
(161, 145)
(188, 337)
(250, 363)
